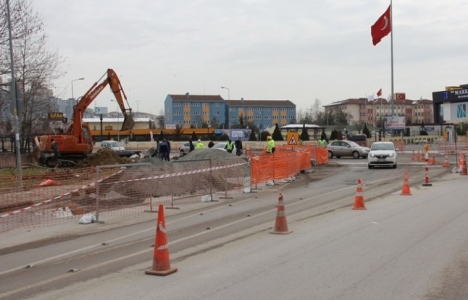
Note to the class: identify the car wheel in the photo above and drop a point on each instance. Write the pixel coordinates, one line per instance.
(364, 156)
(355, 155)
(330, 154)
(338, 156)
(370, 167)
(395, 166)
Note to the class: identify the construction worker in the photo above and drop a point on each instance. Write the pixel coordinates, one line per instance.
(270, 145)
(322, 141)
(229, 146)
(199, 144)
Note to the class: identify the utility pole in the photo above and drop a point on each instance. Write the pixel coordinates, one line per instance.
(15, 100)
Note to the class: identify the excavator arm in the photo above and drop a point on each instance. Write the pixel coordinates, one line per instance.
(113, 81)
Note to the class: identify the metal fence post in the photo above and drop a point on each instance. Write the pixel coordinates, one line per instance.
(97, 192)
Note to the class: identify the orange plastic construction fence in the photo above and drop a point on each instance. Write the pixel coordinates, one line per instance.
(284, 163)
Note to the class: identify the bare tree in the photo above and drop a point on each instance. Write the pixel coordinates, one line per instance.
(36, 66)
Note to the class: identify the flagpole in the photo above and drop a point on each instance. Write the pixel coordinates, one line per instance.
(391, 55)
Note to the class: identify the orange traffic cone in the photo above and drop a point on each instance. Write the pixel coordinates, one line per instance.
(413, 157)
(49, 182)
(359, 198)
(433, 161)
(446, 162)
(405, 190)
(418, 158)
(464, 168)
(281, 226)
(161, 261)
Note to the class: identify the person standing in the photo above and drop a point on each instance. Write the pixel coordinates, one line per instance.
(192, 147)
(229, 146)
(55, 149)
(199, 144)
(270, 145)
(322, 142)
(238, 145)
(168, 150)
(163, 150)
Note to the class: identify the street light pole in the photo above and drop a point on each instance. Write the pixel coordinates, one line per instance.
(229, 92)
(72, 85)
(229, 98)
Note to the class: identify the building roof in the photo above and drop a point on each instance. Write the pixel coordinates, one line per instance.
(300, 126)
(197, 98)
(269, 103)
(375, 101)
(113, 120)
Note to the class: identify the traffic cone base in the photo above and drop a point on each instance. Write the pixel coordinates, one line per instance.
(161, 261)
(359, 198)
(161, 273)
(281, 225)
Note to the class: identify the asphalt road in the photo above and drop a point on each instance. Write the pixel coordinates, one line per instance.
(223, 250)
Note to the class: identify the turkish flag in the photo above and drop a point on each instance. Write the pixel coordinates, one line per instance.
(382, 27)
(400, 96)
(379, 93)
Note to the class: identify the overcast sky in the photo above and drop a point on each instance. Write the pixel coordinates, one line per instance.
(259, 49)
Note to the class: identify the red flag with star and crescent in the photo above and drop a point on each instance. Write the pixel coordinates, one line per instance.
(382, 27)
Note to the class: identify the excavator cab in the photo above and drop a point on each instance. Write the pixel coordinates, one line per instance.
(128, 122)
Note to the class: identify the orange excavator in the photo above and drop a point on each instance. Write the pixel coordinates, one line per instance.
(76, 143)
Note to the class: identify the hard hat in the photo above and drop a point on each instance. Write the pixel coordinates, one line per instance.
(199, 140)
(269, 138)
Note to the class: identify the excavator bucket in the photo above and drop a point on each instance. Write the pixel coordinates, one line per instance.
(128, 122)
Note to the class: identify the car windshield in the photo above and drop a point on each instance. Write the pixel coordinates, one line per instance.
(386, 146)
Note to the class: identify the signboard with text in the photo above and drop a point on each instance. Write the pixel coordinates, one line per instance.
(56, 116)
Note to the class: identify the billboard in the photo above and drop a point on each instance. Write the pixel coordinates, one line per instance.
(100, 110)
(395, 122)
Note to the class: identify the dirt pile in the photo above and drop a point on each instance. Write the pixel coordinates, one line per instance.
(105, 156)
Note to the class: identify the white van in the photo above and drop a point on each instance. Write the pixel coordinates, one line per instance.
(114, 145)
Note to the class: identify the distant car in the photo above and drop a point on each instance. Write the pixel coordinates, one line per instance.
(114, 145)
(119, 149)
(220, 146)
(346, 148)
(360, 139)
(185, 149)
(382, 154)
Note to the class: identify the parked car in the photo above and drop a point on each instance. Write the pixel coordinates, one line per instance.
(114, 145)
(346, 148)
(220, 146)
(382, 154)
(360, 139)
(118, 148)
(185, 149)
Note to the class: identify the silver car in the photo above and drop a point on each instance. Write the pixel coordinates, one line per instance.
(185, 149)
(346, 148)
(222, 145)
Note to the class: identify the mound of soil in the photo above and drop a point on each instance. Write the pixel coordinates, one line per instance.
(105, 156)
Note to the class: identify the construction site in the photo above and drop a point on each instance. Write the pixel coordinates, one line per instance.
(105, 184)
